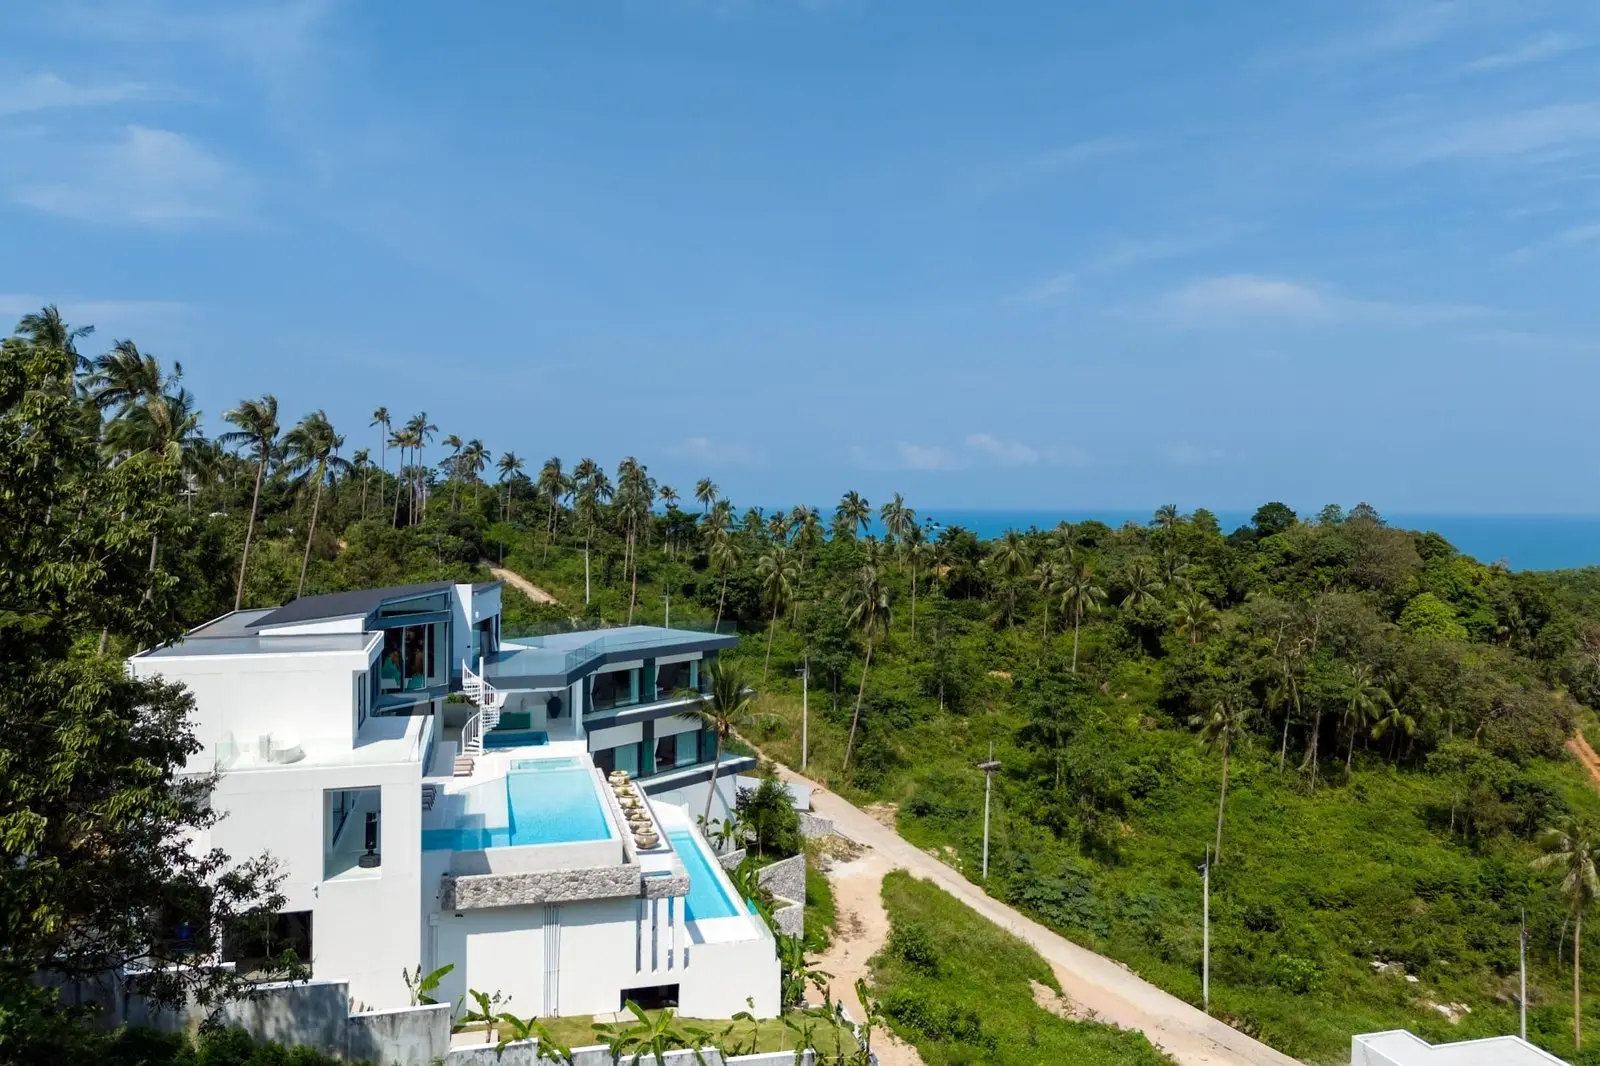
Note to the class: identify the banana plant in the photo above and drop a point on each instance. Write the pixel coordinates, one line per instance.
(647, 1036)
(513, 1029)
(422, 986)
(483, 1011)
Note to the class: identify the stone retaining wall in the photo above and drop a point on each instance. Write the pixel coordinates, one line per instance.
(785, 878)
(812, 825)
(537, 886)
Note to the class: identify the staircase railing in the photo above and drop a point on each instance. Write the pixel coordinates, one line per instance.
(488, 699)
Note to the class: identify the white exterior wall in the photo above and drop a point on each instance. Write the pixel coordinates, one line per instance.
(364, 926)
(348, 624)
(692, 798)
(467, 609)
(308, 694)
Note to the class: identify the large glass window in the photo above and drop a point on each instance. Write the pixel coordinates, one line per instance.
(671, 679)
(352, 831)
(618, 688)
(666, 753)
(412, 659)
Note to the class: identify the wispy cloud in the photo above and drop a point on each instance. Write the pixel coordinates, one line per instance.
(1049, 290)
(1237, 299)
(108, 315)
(705, 450)
(1023, 172)
(1122, 254)
(49, 92)
(975, 450)
(1006, 453)
(272, 36)
(924, 456)
(1187, 454)
(1534, 50)
(144, 177)
(1555, 129)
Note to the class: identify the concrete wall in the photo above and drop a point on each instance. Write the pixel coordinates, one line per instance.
(813, 826)
(309, 694)
(316, 1014)
(525, 1053)
(409, 1036)
(785, 878)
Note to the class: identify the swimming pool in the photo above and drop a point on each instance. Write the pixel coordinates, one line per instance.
(707, 898)
(514, 738)
(544, 804)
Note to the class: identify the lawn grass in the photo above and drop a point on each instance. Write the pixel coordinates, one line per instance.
(771, 1033)
(820, 915)
(960, 991)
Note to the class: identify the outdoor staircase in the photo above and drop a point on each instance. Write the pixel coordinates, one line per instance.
(430, 795)
(488, 700)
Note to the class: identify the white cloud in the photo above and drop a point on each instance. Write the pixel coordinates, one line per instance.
(1006, 453)
(145, 177)
(1572, 237)
(1026, 171)
(705, 450)
(1049, 290)
(47, 92)
(109, 316)
(1534, 50)
(1194, 455)
(924, 456)
(1236, 299)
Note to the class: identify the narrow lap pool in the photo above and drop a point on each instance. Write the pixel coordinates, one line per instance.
(707, 898)
(541, 804)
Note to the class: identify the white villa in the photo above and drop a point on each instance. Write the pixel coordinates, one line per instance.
(437, 795)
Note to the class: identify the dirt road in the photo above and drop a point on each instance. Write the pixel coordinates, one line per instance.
(520, 583)
(1092, 982)
(1578, 745)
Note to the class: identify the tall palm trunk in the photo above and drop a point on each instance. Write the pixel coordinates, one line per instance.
(632, 559)
(1222, 799)
(249, 531)
(1077, 620)
(711, 790)
(550, 529)
(721, 598)
(1577, 1002)
(586, 568)
(398, 478)
(383, 461)
(316, 501)
(771, 629)
(855, 719)
(364, 476)
(913, 602)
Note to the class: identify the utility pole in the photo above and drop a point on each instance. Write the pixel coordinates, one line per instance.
(1205, 934)
(988, 766)
(1522, 967)
(805, 716)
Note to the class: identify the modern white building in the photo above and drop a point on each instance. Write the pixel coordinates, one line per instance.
(437, 794)
(1401, 1047)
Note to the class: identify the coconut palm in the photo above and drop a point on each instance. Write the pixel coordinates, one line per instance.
(46, 329)
(1143, 586)
(380, 419)
(668, 496)
(1081, 594)
(312, 448)
(919, 552)
(593, 490)
(420, 431)
(473, 461)
(868, 600)
(705, 493)
(1364, 703)
(1196, 618)
(554, 485)
(361, 462)
(1047, 579)
(1065, 536)
(258, 435)
(1166, 517)
(724, 555)
(1223, 727)
(1572, 848)
(780, 577)
(853, 513)
(1008, 560)
(728, 706)
(402, 440)
(897, 519)
(1391, 720)
(509, 466)
(125, 377)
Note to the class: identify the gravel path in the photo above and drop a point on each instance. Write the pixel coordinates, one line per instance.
(1095, 985)
(521, 584)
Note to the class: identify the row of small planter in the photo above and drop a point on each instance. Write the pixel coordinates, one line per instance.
(633, 809)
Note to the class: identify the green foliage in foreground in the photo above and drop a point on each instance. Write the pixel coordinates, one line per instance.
(957, 986)
(221, 1047)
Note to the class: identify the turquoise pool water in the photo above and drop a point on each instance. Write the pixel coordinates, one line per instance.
(515, 738)
(706, 898)
(547, 805)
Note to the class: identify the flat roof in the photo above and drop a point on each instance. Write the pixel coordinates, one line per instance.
(557, 659)
(235, 634)
(356, 603)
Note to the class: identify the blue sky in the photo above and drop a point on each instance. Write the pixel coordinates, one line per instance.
(1010, 254)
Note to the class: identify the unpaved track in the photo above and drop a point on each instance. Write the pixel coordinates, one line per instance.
(1093, 983)
(1578, 744)
(520, 583)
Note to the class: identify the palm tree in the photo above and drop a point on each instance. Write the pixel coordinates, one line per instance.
(853, 513)
(553, 485)
(636, 495)
(165, 428)
(1009, 559)
(1143, 586)
(1223, 728)
(728, 706)
(1361, 708)
(362, 462)
(868, 600)
(779, 578)
(1571, 847)
(125, 377)
(897, 519)
(724, 555)
(1065, 536)
(46, 329)
(919, 550)
(474, 461)
(593, 489)
(451, 465)
(258, 433)
(509, 466)
(380, 418)
(1080, 595)
(420, 431)
(313, 450)
(1196, 617)
(705, 491)
(1166, 517)
(668, 496)
(402, 439)
(1392, 719)
(1047, 576)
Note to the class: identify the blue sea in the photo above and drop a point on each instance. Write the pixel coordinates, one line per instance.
(1524, 542)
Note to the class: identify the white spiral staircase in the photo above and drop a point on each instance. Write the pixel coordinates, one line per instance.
(488, 700)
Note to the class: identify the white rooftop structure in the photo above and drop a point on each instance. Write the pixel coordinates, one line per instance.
(1401, 1047)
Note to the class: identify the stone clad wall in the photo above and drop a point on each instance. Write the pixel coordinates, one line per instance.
(786, 878)
(538, 886)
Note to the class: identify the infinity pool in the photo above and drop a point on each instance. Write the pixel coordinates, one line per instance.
(539, 802)
(707, 898)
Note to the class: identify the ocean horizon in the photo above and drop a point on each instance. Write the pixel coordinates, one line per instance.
(1522, 542)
